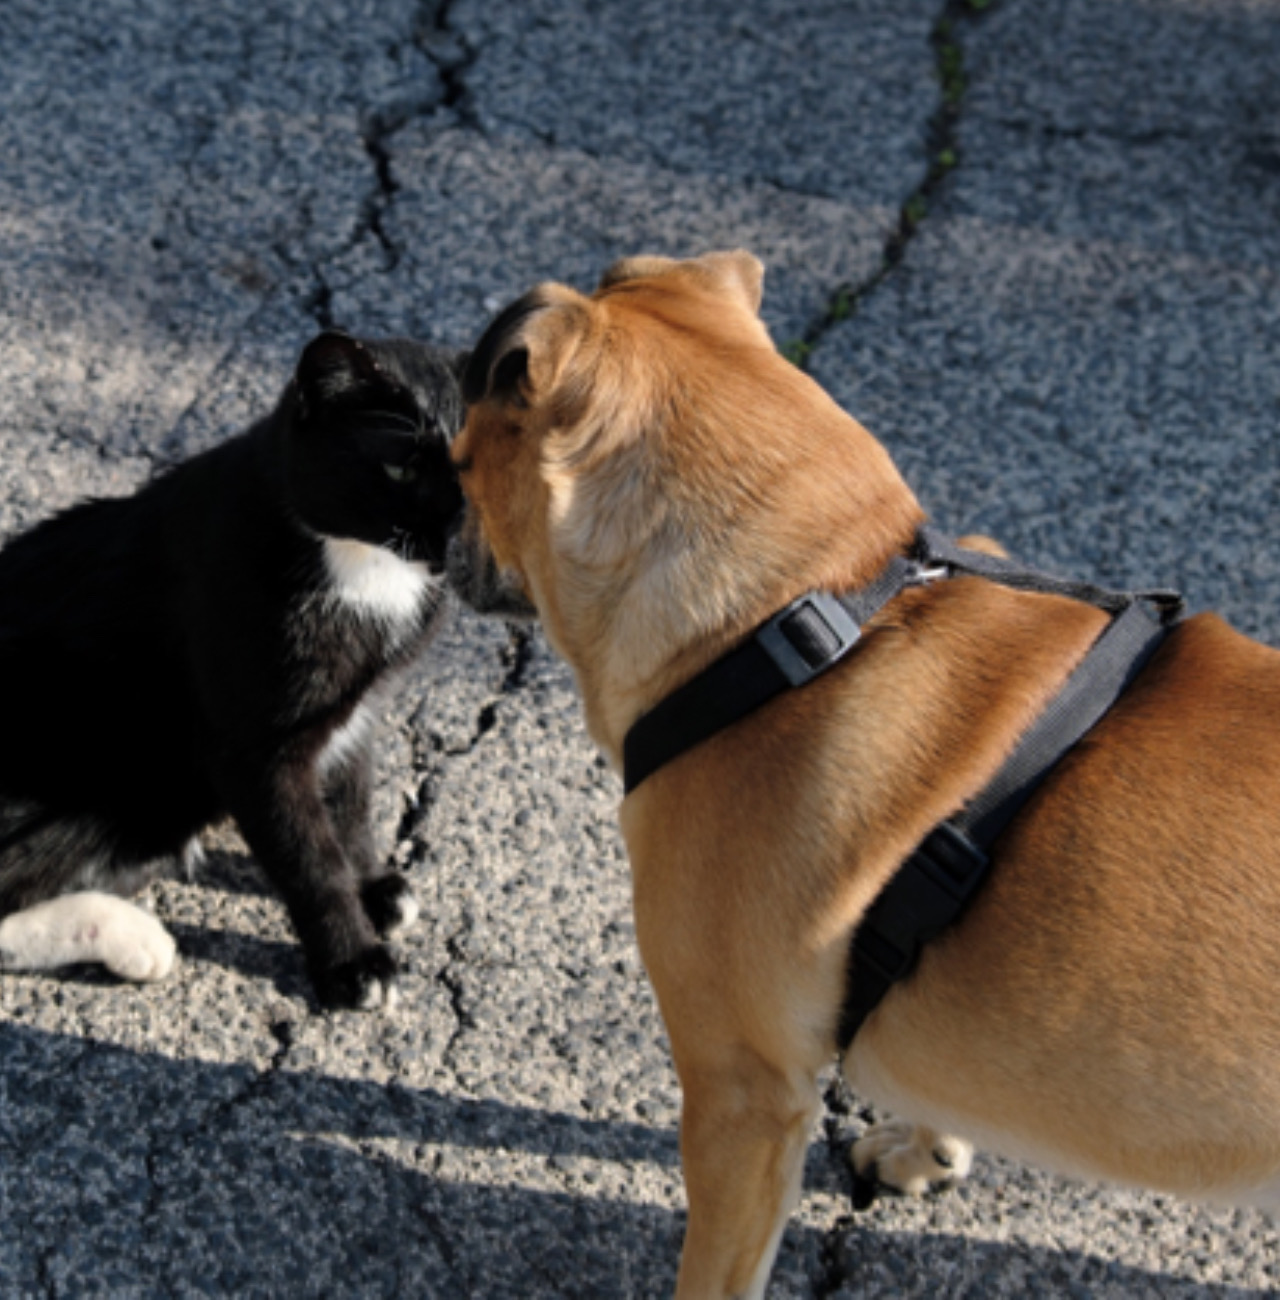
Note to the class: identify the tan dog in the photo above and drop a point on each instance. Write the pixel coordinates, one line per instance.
(645, 470)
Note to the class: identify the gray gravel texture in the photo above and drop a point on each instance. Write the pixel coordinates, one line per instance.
(1073, 343)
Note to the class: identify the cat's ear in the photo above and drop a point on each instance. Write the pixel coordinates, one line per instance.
(336, 368)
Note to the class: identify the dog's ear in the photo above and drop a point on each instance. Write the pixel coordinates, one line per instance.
(737, 274)
(635, 268)
(526, 347)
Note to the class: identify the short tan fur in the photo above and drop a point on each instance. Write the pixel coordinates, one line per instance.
(654, 478)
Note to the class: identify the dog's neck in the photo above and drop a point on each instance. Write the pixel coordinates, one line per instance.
(693, 592)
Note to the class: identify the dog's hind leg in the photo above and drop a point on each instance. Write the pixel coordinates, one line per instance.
(911, 1158)
(87, 927)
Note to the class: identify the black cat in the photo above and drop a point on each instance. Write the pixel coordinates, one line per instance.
(219, 643)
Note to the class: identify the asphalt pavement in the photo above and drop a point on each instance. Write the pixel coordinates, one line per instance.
(1033, 247)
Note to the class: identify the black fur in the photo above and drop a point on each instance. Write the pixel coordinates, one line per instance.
(177, 655)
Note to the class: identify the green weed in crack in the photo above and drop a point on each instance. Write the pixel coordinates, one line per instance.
(944, 156)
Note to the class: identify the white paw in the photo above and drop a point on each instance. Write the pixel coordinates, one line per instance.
(377, 996)
(910, 1158)
(390, 904)
(137, 947)
(408, 913)
(88, 927)
(390, 997)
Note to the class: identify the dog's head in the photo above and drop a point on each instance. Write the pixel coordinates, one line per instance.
(645, 472)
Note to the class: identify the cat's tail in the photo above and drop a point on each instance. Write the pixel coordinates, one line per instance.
(44, 854)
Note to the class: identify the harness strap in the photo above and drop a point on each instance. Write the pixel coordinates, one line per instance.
(815, 632)
(934, 885)
(806, 638)
(936, 548)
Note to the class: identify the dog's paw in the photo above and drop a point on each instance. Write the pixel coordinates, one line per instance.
(910, 1159)
(389, 902)
(366, 983)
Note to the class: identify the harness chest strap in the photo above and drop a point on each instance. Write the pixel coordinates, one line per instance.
(935, 883)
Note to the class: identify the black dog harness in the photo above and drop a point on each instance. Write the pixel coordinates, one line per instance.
(932, 887)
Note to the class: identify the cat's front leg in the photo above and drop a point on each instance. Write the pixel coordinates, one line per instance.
(288, 826)
(386, 894)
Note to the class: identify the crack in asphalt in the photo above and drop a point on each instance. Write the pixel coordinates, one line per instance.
(441, 1233)
(430, 755)
(44, 1271)
(257, 1084)
(453, 55)
(161, 1138)
(318, 304)
(515, 658)
(430, 758)
(380, 200)
(1047, 130)
(463, 1020)
(944, 155)
(943, 151)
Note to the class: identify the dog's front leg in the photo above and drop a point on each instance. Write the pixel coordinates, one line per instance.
(744, 1129)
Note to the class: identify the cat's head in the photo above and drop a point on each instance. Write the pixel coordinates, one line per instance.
(366, 443)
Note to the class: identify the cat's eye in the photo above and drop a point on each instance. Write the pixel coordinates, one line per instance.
(401, 473)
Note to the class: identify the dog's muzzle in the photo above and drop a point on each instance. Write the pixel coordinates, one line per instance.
(476, 577)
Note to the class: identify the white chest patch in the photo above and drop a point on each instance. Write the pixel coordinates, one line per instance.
(370, 580)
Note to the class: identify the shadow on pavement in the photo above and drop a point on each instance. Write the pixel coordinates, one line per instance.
(130, 1173)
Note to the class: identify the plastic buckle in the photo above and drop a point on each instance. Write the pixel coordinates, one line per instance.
(795, 667)
(954, 866)
(882, 958)
(928, 893)
(924, 574)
